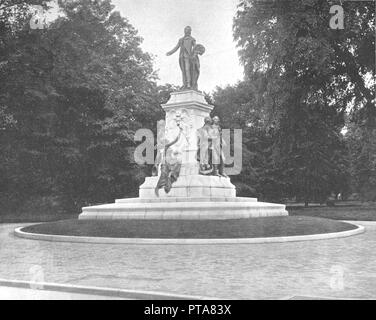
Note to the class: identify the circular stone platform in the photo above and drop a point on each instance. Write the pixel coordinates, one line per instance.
(237, 231)
(183, 209)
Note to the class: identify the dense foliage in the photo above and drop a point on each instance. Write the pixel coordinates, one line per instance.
(302, 81)
(71, 96)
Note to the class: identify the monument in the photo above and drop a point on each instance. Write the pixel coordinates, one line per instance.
(186, 183)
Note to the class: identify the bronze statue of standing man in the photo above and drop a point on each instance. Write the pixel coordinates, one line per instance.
(188, 59)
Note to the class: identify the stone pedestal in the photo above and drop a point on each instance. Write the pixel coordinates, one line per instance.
(192, 196)
(189, 108)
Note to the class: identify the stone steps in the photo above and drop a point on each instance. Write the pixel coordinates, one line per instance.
(238, 209)
(185, 199)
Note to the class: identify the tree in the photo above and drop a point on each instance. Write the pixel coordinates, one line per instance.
(306, 76)
(362, 149)
(73, 95)
(235, 105)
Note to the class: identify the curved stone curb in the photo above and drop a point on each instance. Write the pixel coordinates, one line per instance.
(321, 236)
(102, 291)
(361, 222)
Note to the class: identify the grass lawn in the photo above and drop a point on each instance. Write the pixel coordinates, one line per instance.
(339, 212)
(236, 228)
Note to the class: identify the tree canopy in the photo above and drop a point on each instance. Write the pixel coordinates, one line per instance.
(71, 97)
(303, 81)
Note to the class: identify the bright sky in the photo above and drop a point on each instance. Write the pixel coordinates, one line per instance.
(161, 24)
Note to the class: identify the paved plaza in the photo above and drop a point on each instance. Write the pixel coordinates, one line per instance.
(337, 268)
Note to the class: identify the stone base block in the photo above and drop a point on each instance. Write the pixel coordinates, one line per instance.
(191, 186)
(178, 208)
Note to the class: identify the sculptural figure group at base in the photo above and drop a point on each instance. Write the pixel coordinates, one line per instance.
(168, 160)
(209, 155)
(209, 148)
